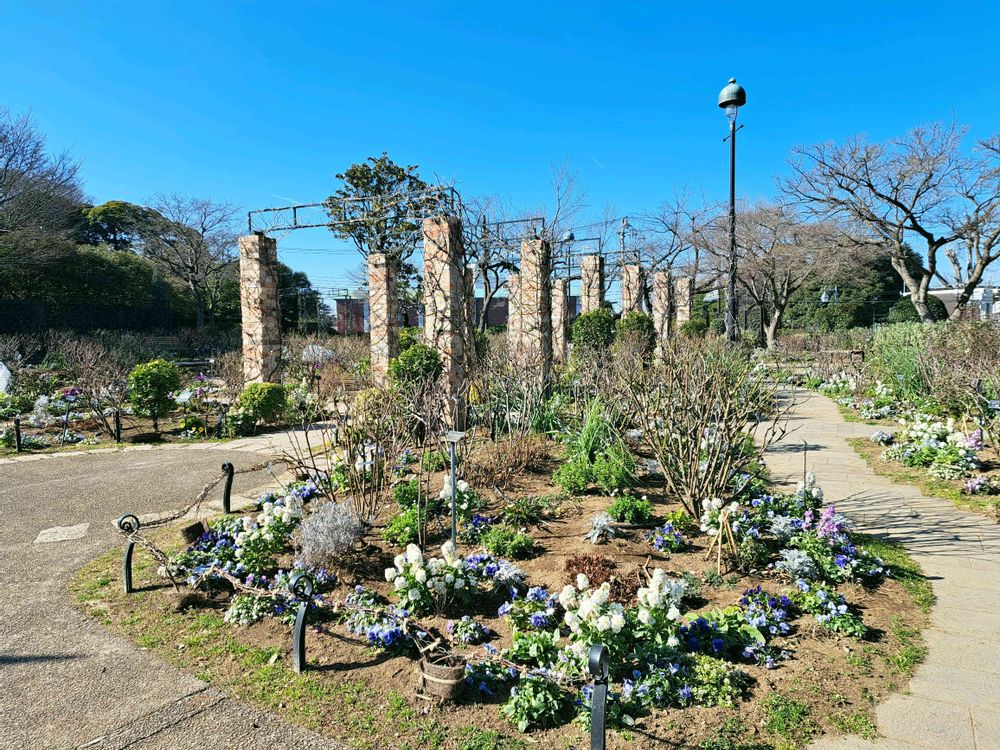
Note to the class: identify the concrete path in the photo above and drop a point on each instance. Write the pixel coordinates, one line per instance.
(953, 701)
(64, 680)
(269, 444)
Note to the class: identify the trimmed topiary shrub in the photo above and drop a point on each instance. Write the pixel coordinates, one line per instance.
(418, 364)
(264, 402)
(637, 325)
(151, 386)
(594, 329)
(695, 328)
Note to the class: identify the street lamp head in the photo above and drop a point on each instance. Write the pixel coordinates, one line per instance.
(731, 98)
(568, 237)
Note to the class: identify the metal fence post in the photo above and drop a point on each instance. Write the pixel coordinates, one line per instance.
(17, 434)
(128, 524)
(227, 493)
(598, 667)
(301, 585)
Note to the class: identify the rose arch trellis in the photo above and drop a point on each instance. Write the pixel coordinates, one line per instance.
(537, 282)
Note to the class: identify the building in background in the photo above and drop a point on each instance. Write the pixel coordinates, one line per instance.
(984, 304)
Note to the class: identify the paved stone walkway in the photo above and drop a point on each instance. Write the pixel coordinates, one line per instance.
(953, 701)
(66, 682)
(269, 444)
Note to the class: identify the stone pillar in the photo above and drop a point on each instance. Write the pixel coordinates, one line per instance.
(259, 306)
(444, 306)
(661, 313)
(632, 284)
(382, 313)
(535, 302)
(560, 296)
(683, 300)
(591, 283)
(513, 313)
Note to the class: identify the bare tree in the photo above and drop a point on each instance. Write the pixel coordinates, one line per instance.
(779, 252)
(676, 235)
(902, 189)
(39, 194)
(194, 242)
(975, 220)
(488, 247)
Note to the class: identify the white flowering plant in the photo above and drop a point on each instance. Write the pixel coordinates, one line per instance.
(425, 586)
(659, 611)
(928, 441)
(467, 501)
(592, 618)
(840, 384)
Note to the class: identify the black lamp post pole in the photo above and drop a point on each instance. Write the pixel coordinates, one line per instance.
(731, 98)
(731, 332)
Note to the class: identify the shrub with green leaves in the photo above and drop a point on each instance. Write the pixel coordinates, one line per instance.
(535, 702)
(264, 402)
(637, 326)
(904, 311)
(403, 528)
(408, 336)
(681, 521)
(694, 328)
(631, 509)
(151, 386)
(406, 493)
(594, 329)
(614, 468)
(503, 541)
(717, 683)
(435, 460)
(417, 365)
(574, 476)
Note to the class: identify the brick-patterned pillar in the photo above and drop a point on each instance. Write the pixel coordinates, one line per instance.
(661, 313)
(683, 300)
(513, 313)
(382, 313)
(560, 296)
(444, 306)
(261, 321)
(591, 283)
(632, 283)
(535, 316)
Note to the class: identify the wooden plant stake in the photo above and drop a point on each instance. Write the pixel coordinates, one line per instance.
(724, 538)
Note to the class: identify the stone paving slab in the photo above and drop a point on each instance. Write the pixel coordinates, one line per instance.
(955, 694)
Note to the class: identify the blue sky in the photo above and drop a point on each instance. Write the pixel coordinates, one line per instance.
(262, 103)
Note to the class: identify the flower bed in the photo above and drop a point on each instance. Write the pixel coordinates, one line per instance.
(690, 648)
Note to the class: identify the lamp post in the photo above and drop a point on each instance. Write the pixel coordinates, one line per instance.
(453, 438)
(731, 98)
(567, 241)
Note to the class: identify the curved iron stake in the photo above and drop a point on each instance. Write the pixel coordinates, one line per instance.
(302, 586)
(598, 668)
(228, 491)
(128, 524)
